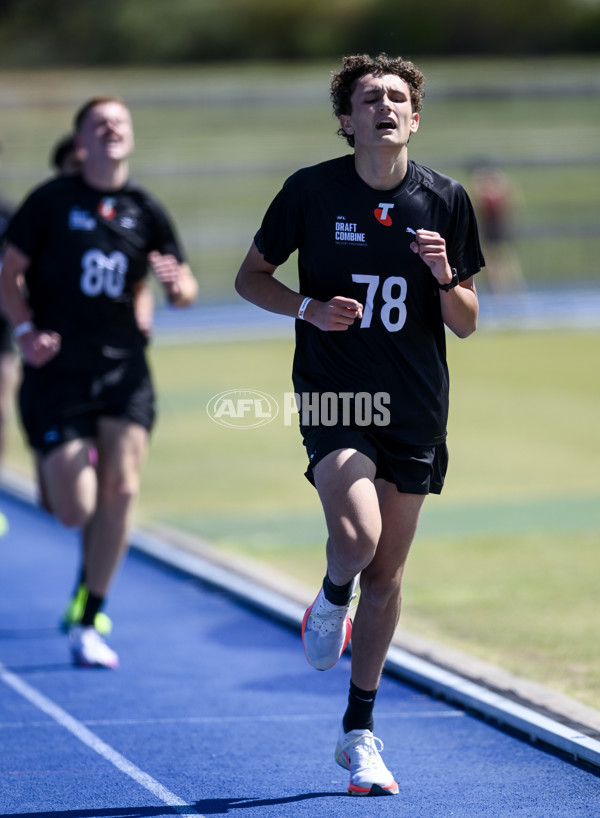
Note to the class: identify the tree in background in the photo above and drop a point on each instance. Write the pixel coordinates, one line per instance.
(119, 32)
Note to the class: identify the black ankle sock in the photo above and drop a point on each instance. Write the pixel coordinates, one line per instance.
(359, 713)
(92, 606)
(337, 594)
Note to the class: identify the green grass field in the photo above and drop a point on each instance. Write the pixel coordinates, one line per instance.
(506, 563)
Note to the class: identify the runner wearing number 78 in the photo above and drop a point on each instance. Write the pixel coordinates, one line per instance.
(78, 248)
(387, 250)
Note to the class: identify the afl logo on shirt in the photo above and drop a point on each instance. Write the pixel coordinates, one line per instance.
(81, 220)
(106, 208)
(382, 213)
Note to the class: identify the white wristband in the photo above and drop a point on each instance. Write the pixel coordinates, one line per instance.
(23, 328)
(303, 307)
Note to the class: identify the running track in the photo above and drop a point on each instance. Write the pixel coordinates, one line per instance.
(215, 711)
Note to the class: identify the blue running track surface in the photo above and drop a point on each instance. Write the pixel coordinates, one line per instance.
(215, 711)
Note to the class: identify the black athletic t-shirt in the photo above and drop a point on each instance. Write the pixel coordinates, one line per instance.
(6, 212)
(353, 241)
(88, 248)
(6, 340)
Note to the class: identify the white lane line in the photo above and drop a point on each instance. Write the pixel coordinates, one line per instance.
(88, 738)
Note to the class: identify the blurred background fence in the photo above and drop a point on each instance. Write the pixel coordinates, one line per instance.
(215, 142)
(230, 96)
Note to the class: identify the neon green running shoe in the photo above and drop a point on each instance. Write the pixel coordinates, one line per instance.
(74, 611)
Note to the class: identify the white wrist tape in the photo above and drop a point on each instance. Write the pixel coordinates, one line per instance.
(303, 307)
(23, 328)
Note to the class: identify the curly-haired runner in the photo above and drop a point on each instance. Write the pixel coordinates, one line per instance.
(387, 250)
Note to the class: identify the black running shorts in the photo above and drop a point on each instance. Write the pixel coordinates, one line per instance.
(57, 407)
(412, 469)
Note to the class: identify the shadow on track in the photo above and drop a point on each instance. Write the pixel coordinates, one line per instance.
(210, 806)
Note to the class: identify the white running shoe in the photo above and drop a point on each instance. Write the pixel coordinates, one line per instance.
(326, 631)
(90, 650)
(358, 752)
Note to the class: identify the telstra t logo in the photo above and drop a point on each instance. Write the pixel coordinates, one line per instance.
(382, 213)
